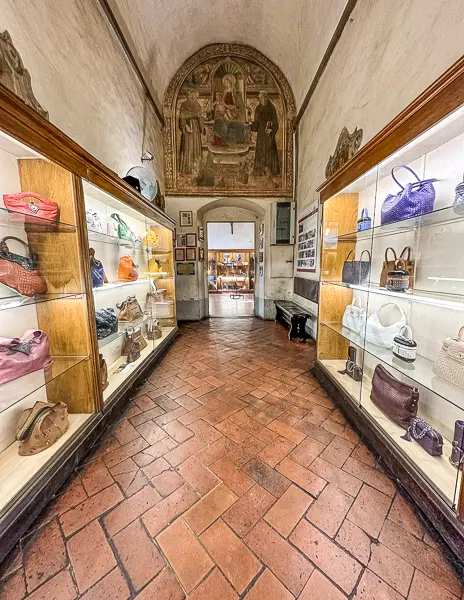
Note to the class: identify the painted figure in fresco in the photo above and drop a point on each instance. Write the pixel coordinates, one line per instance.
(191, 127)
(230, 127)
(266, 125)
(232, 98)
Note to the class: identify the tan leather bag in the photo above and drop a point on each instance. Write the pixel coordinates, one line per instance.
(391, 265)
(41, 426)
(388, 265)
(127, 270)
(129, 310)
(133, 335)
(408, 264)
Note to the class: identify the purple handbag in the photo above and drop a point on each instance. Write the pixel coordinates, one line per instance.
(430, 439)
(415, 199)
(24, 355)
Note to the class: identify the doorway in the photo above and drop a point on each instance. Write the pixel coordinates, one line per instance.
(231, 269)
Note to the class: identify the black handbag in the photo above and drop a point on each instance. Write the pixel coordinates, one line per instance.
(107, 322)
(356, 272)
(351, 368)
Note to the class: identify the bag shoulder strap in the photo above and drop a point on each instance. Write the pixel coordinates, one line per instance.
(346, 259)
(4, 246)
(368, 254)
(394, 254)
(402, 167)
(409, 251)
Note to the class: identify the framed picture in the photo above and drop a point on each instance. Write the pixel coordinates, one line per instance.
(180, 242)
(191, 240)
(201, 254)
(174, 234)
(261, 229)
(185, 268)
(186, 218)
(179, 254)
(261, 270)
(261, 257)
(191, 253)
(201, 234)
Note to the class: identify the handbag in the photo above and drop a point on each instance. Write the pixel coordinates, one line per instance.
(391, 265)
(414, 200)
(364, 222)
(354, 317)
(41, 426)
(21, 272)
(153, 330)
(398, 400)
(112, 229)
(133, 335)
(408, 264)
(124, 232)
(351, 368)
(388, 265)
(458, 205)
(103, 372)
(150, 238)
(430, 439)
(127, 270)
(24, 355)
(132, 352)
(383, 325)
(107, 322)
(96, 270)
(152, 298)
(129, 310)
(356, 272)
(93, 221)
(404, 347)
(153, 265)
(44, 209)
(450, 360)
(457, 454)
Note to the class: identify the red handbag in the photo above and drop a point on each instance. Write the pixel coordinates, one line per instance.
(21, 272)
(46, 209)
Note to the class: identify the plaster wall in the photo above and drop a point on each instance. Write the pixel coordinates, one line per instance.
(222, 237)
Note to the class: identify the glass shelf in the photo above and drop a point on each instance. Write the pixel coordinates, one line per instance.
(443, 216)
(104, 238)
(15, 301)
(33, 224)
(14, 391)
(420, 371)
(118, 284)
(122, 328)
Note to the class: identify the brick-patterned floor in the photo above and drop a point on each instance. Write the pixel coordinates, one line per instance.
(230, 475)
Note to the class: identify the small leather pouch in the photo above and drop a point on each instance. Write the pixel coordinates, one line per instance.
(129, 310)
(430, 439)
(41, 426)
(398, 400)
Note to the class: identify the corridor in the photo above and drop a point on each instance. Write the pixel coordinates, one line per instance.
(230, 475)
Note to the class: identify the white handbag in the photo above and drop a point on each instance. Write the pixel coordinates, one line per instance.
(383, 325)
(450, 360)
(354, 317)
(93, 221)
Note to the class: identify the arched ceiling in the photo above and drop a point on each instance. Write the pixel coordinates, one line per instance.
(292, 33)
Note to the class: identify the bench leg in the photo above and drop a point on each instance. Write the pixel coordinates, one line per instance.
(302, 329)
(294, 327)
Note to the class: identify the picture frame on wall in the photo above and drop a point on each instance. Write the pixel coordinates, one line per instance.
(201, 254)
(186, 218)
(179, 254)
(201, 234)
(191, 253)
(180, 242)
(191, 240)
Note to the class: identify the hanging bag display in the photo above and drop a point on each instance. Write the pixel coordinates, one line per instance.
(396, 399)
(37, 207)
(24, 355)
(356, 272)
(354, 317)
(127, 270)
(457, 454)
(129, 310)
(428, 437)
(364, 222)
(21, 272)
(450, 360)
(41, 426)
(412, 201)
(97, 271)
(383, 325)
(124, 232)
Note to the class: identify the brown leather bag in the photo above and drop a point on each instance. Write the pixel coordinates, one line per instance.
(391, 265)
(129, 310)
(21, 272)
(388, 265)
(103, 372)
(133, 335)
(396, 399)
(408, 264)
(127, 270)
(41, 426)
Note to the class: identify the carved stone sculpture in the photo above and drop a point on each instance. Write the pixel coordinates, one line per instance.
(15, 76)
(347, 146)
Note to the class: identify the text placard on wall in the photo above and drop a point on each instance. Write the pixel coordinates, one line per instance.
(307, 239)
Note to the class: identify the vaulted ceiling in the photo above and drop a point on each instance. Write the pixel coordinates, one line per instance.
(294, 34)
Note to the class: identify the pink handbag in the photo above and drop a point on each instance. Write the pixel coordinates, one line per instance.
(46, 209)
(21, 356)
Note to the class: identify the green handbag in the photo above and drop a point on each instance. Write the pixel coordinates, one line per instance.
(124, 232)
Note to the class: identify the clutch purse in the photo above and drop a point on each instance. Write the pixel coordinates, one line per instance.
(396, 399)
(413, 200)
(354, 317)
(97, 271)
(124, 232)
(93, 221)
(404, 347)
(19, 272)
(364, 222)
(24, 355)
(127, 270)
(430, 439)
(356, 272)
(41, 426)
(129, 310)
(383, 325)
(133, 335)
(457, 454)
(107, 322)
(450, 360)
(41, 208)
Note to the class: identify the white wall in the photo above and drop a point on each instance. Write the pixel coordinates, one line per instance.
(222, 237)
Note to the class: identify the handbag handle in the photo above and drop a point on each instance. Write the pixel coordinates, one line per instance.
(408, 257)
(461, 334)
(4, 247)
(117, 218)
(21, 195)
(353, 302)
(364, 214)
(348, 256)
(403, 314)
(416, 183)
(407, 330)
(368, 254)
(386, 254)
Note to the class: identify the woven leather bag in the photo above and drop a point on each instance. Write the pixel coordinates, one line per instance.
(127, 270)
(457, 454)
(42, 208)
(129, 310)
(41, 426)
(429, 438)
(21, 272)
(356, 272)
(384, 324)
(396, 399)
(24, 355)
(450, 360)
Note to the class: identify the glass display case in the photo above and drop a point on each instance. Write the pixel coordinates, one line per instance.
(231, 270)
(392, 301)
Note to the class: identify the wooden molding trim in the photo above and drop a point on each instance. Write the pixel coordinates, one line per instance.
(26, 125)
(436, 102)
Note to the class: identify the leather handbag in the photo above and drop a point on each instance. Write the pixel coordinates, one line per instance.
(364, 222)
(450, 360)
(127, 270)
(42, 208)
(388, 265)
(152, 298)
(97, 271)
(129, 310)
(408, 261)
(398, 400)
(152, 330)
(383, 325)
(457, 454)
(133, 335)
(107, 322)
(412, 201)
(428, 437)
(354, 317)
(19, 272)
(356, 272)
(132, 351)
(93, 221)
(391, 265)
(124, 232)
(150, 238)
(24, 355)
(458, 205)
(404, 347)
(41, 426)
(351, 368)
(103, 372)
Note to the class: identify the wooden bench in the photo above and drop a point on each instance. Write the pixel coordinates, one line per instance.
(294, 316)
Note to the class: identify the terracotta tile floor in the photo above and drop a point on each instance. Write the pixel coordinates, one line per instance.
(231, 474)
